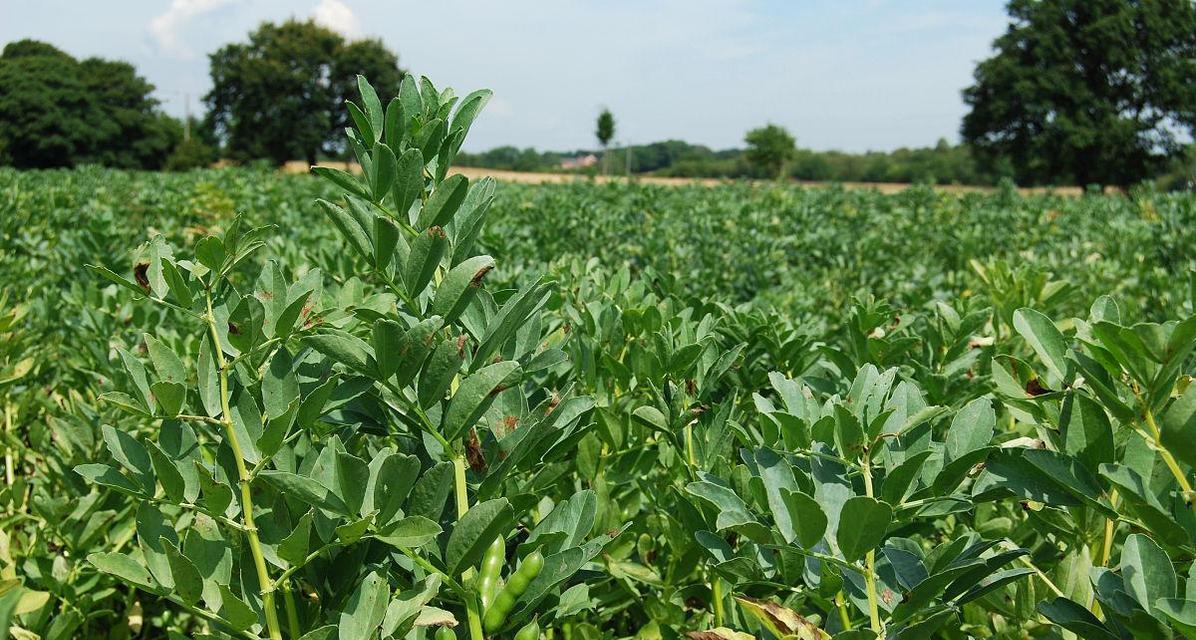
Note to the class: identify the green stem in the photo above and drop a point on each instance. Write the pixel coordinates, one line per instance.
(1169, 459)
(878, 626)
(841, 605)
(255, 545)
(288, 599)
(716, 588)
(471, 601)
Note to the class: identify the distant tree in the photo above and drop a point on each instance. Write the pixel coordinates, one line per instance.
(1086, 91)
(280, 96)
(56, 111)
(770, 149)
(605, 132)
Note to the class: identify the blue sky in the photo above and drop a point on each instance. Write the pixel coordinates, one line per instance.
(853, 75)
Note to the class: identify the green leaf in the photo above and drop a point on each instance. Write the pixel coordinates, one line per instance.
(474, 532)
(386, 239)
(1075, 618)
(304, 488)
(363, 612)
(188, 584)
(443, 203)
(234, 611)
(431, 492)
(126, 568)
(971, 429)
(1087, 434)
(350, 228)
(1044, 337)
(373, 106)
(1180, 614)
(809, 522)
(280, 387)
(409, 183)
(383, 172)
(426, 251)
(393, 482)
(109, 477)
(438, 373)
(1147, 572)
(459, 286)
(409, 532)
(295, 547)
(131, 455)
(342, 347)
(863, 522)
(342, 179)
(352, 479)
(475, 395)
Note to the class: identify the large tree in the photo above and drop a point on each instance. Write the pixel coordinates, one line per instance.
(770, 149)
(56, 111)
(1086, 91)
(281, 95)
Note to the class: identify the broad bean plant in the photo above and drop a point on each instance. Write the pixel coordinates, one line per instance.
(401, 403)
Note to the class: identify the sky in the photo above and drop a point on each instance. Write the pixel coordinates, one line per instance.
(852, 75)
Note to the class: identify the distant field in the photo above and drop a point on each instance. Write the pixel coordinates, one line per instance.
(526, 177)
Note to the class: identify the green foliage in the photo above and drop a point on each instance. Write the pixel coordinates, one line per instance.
(605, 131)
(747, 411)
(770, 149)
(1086, 92)
(56, 111)
(282, 94)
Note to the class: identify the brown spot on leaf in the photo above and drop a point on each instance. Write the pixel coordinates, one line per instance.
(476, 281)
(140, 273)
(473, 453)
(233, 329)
(1035, 388)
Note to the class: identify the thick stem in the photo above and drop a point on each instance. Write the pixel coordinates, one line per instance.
(9, 461)
(255, 545)
(878, 626)
(472, 610)
(716, 588)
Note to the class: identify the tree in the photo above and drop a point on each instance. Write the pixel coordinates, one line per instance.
(1086, 91)
(605, 132)
(770, 149)
(281, 95)
(56, 111)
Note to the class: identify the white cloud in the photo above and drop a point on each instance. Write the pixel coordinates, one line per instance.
(167, 28)
(337, 15)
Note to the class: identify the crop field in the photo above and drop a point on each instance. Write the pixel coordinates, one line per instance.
(248, 404)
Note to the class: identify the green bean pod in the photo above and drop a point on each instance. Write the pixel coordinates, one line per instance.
(445, 633)
(530, 631)
(504, 602)
(490, 573)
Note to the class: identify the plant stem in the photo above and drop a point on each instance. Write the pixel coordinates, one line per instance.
(255, 546)
(292, 614)
(716, 588)
(841, 603)
(471, 600)
(1169, 459)
(878, 627)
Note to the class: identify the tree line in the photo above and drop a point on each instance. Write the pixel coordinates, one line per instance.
(1075, 92)
(279, 96)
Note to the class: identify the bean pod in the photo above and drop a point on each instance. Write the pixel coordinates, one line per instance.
(504, 602)
(445, 633)
(490, 573)
(530, 631)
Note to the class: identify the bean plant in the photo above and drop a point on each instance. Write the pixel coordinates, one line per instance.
(406, 404)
